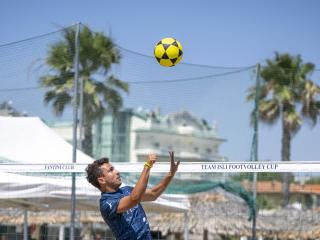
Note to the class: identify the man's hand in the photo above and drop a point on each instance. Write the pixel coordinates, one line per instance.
(173, 166)
(153, 193)
(152, 158)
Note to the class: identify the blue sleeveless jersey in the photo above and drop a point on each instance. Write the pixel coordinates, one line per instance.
(129, 225)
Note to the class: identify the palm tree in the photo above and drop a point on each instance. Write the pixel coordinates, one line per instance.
(287, 94)
(101, 91)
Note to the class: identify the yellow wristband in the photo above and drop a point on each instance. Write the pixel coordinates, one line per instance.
(148, 164)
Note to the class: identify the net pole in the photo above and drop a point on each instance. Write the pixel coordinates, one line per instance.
(75, 122)
(186, 226)
(255, 151)
(81, 114)
(25, 224)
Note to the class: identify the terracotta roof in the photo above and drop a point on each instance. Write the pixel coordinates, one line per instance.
(276, 187)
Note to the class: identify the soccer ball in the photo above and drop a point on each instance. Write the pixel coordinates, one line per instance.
(168, 52)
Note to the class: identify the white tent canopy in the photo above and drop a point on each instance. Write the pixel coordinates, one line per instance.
(45, 193)
(29, 140)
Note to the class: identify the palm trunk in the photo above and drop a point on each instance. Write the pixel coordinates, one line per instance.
(87, 141)
(285, 156)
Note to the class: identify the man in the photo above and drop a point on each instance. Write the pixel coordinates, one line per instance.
(120, 207)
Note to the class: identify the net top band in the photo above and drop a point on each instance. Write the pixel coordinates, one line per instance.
(185, 167)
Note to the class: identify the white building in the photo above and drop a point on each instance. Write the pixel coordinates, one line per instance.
(132, 134)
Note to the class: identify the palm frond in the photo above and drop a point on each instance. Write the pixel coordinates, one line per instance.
(118, 84)
(60, 101)
(292, 120)
(269, 111)
(49, 96)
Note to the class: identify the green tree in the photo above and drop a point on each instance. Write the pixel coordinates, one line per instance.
(101, 91)
(287, 94)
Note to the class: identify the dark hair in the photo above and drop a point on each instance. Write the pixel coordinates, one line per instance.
(94, 171)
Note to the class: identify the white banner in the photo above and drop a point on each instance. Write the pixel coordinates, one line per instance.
(190, 167)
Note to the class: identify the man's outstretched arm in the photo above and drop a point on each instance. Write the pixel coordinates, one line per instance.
(138, 191)
(153, 193)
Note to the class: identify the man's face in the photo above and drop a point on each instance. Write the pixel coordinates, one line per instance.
(110, 180)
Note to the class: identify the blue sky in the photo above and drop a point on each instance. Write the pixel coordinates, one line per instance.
(235, 33)
(216, 33)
